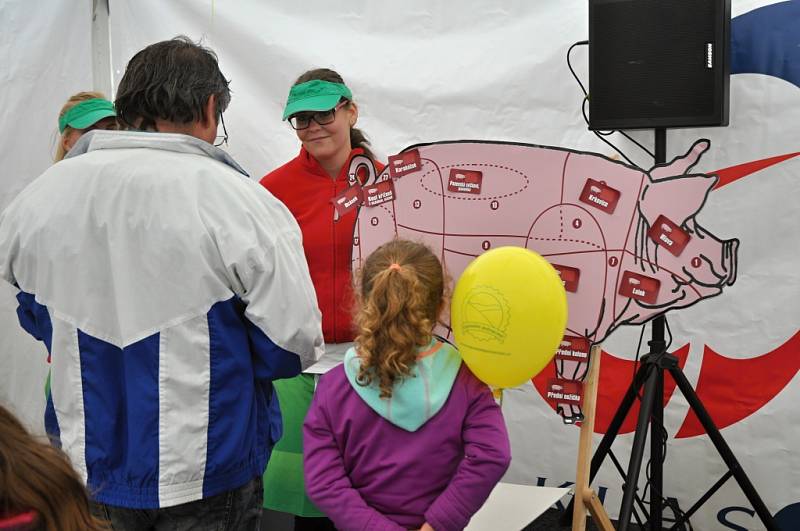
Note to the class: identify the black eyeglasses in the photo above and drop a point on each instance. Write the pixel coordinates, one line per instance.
(220, 140)
(302, 120)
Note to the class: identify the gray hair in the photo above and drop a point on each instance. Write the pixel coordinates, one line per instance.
(170, 80)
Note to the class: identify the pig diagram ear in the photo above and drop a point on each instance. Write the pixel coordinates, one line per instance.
(681, 164)
(674, 193)
(678, 198)
(361, 171)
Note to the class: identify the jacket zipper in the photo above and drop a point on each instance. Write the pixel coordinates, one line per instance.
(333, 239)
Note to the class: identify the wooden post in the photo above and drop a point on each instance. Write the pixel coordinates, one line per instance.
(585, 497)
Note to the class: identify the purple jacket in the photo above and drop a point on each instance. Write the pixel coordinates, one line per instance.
(366, 473)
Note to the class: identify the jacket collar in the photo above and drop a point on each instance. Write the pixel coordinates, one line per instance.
(102, 139)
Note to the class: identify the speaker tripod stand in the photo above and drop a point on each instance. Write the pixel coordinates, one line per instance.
(649, 379)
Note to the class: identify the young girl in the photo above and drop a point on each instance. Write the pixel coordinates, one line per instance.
(402, 435)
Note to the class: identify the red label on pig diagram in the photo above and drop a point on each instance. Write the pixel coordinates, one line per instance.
(573, 348)
(404, 163)
(668, 235)
(569, 277)
(565, 391)
(600, 195)
(464, 181)
(639, 287)
(376, 194)
(347, 200)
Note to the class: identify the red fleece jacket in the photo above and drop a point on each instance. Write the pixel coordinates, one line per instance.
(304, 187)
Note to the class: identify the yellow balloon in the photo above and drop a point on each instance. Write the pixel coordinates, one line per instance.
(508, 314)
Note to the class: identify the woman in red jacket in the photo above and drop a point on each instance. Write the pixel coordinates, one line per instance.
(321, 110)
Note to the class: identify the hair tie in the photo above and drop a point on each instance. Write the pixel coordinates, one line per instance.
(395, 266)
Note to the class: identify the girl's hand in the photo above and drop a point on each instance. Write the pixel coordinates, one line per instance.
(426, 527)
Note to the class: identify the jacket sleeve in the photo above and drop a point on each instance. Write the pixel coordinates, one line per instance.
(327, 483)
(487, 454)
(27, 316)
(263, 261)
(34, 319)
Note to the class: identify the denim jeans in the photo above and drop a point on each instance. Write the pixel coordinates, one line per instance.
(237, 509)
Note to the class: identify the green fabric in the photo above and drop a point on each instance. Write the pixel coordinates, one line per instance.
(284, 486)
(86, 113)
(416, 398)
(315, 95)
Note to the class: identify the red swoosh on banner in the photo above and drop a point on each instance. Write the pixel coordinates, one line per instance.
(733, 389)
(734, 173)
(616, 375)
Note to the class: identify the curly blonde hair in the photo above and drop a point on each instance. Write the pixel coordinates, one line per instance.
(400, 293)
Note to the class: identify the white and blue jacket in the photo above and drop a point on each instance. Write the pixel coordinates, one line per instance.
(169, 290)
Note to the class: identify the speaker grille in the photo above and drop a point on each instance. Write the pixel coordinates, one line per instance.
(657, 63)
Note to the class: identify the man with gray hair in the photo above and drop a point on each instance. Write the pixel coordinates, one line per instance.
(169, 290)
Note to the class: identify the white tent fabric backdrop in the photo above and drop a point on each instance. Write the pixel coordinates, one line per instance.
(431, 71)
(46, 57)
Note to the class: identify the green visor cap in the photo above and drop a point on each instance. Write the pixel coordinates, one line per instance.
(86, 113)
(315, 95)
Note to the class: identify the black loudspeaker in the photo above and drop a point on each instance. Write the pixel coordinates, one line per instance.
(658, 63)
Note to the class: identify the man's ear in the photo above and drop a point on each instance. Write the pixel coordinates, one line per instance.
(211, 112)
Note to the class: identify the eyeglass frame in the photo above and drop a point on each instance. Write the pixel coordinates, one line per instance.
(314, 114)
(224, 136)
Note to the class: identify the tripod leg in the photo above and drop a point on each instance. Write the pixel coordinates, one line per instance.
(656, 453)
(639, 439)
(723, 449)
(612, 431)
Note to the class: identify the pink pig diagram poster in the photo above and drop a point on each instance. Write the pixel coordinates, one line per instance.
(626, 241)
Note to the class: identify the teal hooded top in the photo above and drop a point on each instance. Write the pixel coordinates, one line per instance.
(415, 398)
